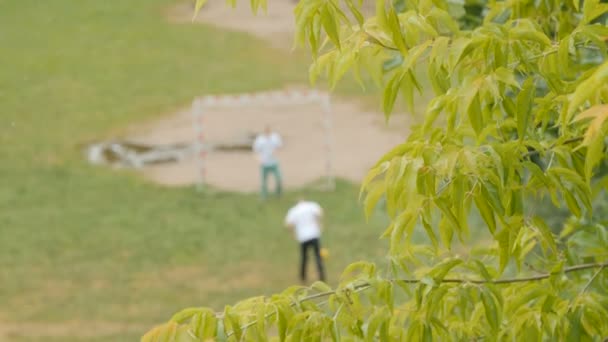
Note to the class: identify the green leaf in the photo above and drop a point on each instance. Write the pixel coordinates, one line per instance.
(328, 21)
(490, 192)
(491, 309)
(186, 314)
(390, 92)
(342, 64)
(235, 324)
(197, 7)
(381, 13)
(319, 65)
(427, 333)
(444, 206)
(441, 270)
(261, 322)
(503, 248)
(314, 36)
(320, 286)
(572, 203)
(282, 324)
(444, 19)
(483, 270)
(373, 196)
(428, 281)
(395, 28)
(374, 323)
(475, 114)
(506, 76)
(537, 172)
(407, 91)
(255, 5)
(446, 232)
(210, 325)
(563, 54)
(372, 174)
(386, 293)
(439, 50)
(457, 51)
(430, 232)
(545, 233)
(397, 151)
(591, 10)
(356, 13)
(359, 268)
(587, 88)
(595, 154)
(435, 301)
(524, 106)
(599, 114)
(532, 35)
(414, 54)
(404, 224)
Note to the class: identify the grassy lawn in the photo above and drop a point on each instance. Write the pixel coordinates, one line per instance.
(104, 251)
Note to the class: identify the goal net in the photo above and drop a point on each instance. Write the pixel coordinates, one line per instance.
(226, 126)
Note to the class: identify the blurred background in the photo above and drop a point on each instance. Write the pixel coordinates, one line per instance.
(103, 251)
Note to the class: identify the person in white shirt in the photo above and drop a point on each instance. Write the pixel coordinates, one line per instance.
(305, 220)
(265, 146)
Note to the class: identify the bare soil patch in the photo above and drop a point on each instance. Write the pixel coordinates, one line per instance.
(358, 139)
(359, 136)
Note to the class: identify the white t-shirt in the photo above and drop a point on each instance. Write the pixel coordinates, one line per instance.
(265, 145)
(305, 216)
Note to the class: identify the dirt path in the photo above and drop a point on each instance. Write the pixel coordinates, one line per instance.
(275, 26)
(359, 137)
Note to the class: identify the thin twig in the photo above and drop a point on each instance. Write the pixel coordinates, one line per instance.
(515, 64)
(566, 142)
(357, 288)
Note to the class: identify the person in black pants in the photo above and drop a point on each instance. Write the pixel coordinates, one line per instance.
(304, 219)
(315, 244)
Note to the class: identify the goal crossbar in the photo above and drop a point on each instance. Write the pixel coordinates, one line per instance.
(201, 105)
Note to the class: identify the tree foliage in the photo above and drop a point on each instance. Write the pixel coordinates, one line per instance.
(518, 115)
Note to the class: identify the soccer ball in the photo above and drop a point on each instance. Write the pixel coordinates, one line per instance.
(324, 253)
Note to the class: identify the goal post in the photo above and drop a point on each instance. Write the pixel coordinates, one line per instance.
(202, 105)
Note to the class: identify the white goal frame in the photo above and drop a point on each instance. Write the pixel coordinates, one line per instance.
(201, 105)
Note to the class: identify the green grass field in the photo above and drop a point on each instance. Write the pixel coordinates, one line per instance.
(88, 254)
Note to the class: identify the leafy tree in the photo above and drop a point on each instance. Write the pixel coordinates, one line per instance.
(519, 115)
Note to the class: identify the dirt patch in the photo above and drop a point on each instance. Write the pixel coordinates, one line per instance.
(359, 137)
(276, 25)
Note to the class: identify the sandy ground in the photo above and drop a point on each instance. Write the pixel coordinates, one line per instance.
(359, 137)
(358, 140)
(276, 25)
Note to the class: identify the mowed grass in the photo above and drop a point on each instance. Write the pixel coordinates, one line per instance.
(90, 254)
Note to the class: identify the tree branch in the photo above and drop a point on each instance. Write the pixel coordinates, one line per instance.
(517, 280)
(366, 285)
(357, 288)
(566, 142)
(555, 49)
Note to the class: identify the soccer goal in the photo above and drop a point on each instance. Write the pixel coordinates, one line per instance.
(204, 107)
